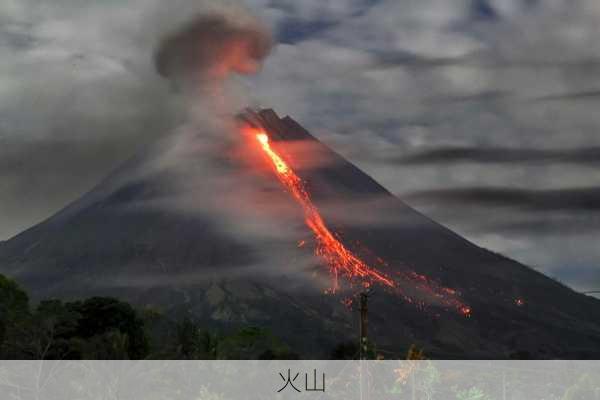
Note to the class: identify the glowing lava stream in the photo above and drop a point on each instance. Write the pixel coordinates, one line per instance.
(338, 257)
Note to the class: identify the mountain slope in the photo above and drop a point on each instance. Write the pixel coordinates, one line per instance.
(104, 244)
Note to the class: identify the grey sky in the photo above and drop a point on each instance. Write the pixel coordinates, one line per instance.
(464, 100)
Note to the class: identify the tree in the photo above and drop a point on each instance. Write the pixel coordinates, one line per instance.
(345, 351)
(14, 315)
(414, 353)
(104, 316)
(188, 339)
(109, 345)
(251, 343)
(53, 326)
(96, 328)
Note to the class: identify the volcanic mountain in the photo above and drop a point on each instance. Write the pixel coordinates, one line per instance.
(115, 241)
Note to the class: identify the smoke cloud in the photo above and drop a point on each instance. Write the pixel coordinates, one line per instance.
(207, 50)
(206, 160)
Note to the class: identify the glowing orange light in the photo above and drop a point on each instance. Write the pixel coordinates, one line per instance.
(280, 165)
(337, 256)
(262, 138)
(519, 302)
(340, 259)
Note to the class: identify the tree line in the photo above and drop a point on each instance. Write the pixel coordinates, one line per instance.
(109, 328)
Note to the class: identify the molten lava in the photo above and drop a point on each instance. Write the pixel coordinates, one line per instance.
(340, 259)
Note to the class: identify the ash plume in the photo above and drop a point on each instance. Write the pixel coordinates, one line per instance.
(208, 49)
(205, 160)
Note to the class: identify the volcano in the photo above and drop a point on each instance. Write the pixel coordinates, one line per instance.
(105, 243)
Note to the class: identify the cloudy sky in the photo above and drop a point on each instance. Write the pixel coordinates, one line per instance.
(480, 113)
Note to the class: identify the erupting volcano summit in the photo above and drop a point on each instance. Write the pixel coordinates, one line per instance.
(117, 240)
(329, 245)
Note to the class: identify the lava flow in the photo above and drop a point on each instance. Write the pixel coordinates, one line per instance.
(341, 260)
(338, 257)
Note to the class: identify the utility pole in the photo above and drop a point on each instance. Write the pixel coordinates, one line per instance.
(363, 325)
(364, 346)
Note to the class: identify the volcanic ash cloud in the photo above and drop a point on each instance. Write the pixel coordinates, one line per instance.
(203, 53)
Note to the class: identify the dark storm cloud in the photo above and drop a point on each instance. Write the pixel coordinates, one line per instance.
(512, 221)
(582, 95)
(293, 30)
(589, 156)
(482, 9)
(17, 36)
(578, 199)
(585, 276)
(486, 96)
(519, 226)
(393, 59)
